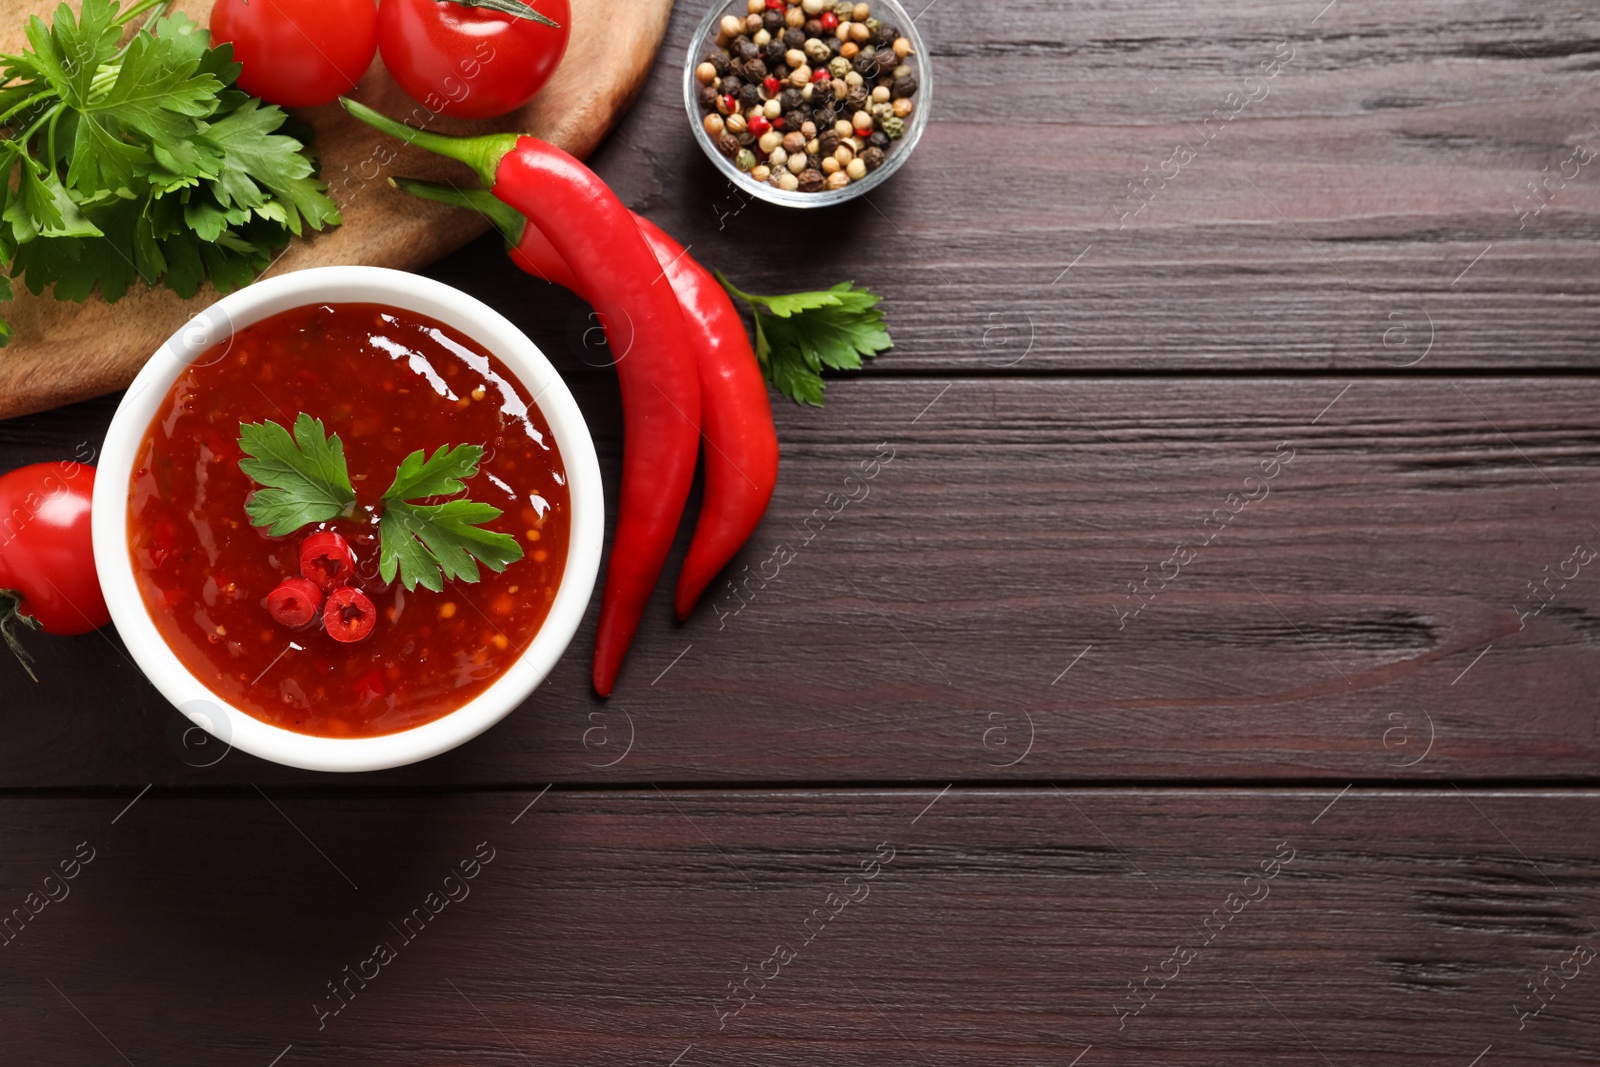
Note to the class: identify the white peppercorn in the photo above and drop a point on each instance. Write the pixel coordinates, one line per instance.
(903, 107)
(779, 157)
(880, 95)
(830, 165)
(796, 163)
(705, 74)
(772, 109)
(813, 7)
(788, 182)
(714, 125)
(732, 25)
(761, 172)
(902, 47)
(838, 180)
(855, 168)
(762, 38)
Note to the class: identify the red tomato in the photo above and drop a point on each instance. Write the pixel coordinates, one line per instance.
(298, 53)
(46, 554)
(469, 61)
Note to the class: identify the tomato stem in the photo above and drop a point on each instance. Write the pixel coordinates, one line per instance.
(10, 615)
(514, 8)
(482, 154)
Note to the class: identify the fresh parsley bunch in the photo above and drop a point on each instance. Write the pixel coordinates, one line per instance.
(137, 161)
(798, 334)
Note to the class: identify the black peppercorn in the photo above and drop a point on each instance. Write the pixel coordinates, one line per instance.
(749, 94)
(888, 35)
(811, 180)
(729, 85)
(794, 37)
(745, 48)
(866, 65)
(728, 144)
(813, 27)
(824, 116)
(835, 45)
(905, 85)
(828, 141)
(774, 53)
(772, 21)
(755, 70)
(790, 99)
(887, 61)
(718, 59)
(873, 157)
(879, 140)
(708, 97)
(792, 120)
(856, 99)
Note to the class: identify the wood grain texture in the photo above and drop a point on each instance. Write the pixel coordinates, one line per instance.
(999, 927)
(1329, 225)
(63, 352)
(932, 629)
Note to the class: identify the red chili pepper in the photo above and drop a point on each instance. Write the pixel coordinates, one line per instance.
(741, 454)
(592, 230)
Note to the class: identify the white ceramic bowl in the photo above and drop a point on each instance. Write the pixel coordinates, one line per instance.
(336, 285)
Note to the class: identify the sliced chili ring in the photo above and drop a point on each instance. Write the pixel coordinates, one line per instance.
(327, 559)
(294, 602)
(349, 616)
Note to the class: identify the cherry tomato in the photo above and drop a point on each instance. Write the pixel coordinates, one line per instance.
(349, 615)
(298, 53)
(326, 559)
(295, 602)
(47, 573)
(469, 61)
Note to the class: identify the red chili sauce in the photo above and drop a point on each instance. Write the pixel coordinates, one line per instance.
(388, 382)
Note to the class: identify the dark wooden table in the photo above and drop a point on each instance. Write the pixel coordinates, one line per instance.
(1202, 679)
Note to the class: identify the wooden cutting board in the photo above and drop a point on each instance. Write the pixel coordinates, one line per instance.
(61, 352)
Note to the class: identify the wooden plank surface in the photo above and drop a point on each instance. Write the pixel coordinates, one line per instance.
(1345, 269)
(1329, 224)
(992, 927)
(611, 48)
(932, 628)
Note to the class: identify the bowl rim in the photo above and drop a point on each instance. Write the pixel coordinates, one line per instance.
(705, 32)
(345, 284)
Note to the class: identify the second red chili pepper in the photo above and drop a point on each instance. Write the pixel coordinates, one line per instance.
(592, 231)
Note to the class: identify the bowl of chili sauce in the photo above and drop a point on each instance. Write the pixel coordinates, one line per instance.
(382, 670)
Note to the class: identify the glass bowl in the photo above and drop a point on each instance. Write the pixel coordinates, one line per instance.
(705, 38)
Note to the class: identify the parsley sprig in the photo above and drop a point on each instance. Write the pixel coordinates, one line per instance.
(305, 480)
(137, 161)
(799, 334)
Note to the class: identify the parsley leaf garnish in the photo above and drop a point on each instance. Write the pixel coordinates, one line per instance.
(426, 543)
(138, 161)
(798, 334)
(305, 478)
(305, 481)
